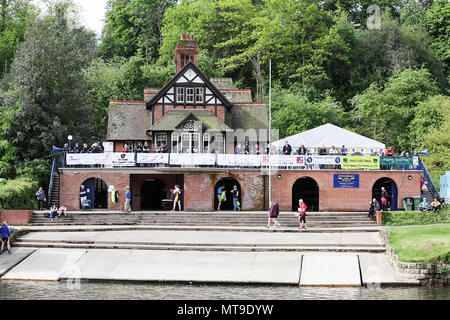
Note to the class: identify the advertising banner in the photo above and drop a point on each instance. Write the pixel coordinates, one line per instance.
(122, 159)
(193, 159)
(396, 161)
(238, 160)
(323, 159)
(346, 181)
(360, 162)
(73, 159)
(283, 161)
(152, 158)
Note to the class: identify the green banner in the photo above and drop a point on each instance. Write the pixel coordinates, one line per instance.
(396, 161)
(360, 162)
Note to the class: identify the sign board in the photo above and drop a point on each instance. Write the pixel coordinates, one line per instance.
(360, 162)
(323, 160)
(193, 159)
(122, 159)
(152, 158)
(88, 158)
(238, 160)
(346, 180)
(396, 161)
(283, 161)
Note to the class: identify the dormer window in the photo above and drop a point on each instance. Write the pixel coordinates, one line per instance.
(180, 94)
(189, 95)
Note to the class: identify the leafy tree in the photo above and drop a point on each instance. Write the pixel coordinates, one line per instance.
(48, 100)
(438, 24)
(385, 114)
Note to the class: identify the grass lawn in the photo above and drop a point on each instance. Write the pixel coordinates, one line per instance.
(407, 218)
(421, 243)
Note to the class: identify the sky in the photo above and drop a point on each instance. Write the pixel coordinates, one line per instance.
(92, 13)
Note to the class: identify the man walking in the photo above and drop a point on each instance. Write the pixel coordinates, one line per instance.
(4, 230)
(221, 196)
(83, 195)
(127, 208)
(235, 193)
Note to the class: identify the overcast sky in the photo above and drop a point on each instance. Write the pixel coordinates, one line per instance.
(92, 13)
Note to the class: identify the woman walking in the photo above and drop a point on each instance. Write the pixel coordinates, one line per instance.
(40, 196)
(274, 211)
(301, 213)
(176, 197)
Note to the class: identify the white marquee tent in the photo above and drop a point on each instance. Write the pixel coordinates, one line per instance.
(329, 135)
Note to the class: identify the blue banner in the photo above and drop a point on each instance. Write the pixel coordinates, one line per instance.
(346, 181)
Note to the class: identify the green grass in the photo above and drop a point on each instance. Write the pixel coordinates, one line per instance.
(406, 218)
(421, 243)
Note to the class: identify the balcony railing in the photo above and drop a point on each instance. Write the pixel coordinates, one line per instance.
(202, 160)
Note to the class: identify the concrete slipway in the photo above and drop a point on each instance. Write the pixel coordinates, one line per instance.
(78, 258)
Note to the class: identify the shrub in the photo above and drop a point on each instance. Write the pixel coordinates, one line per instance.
(18, 194)
(404, 218)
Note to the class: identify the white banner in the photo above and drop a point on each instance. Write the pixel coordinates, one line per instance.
(152, 158)
(323, 159)
(236, 160)
(122, 159)
(73, 159)
(283, 161)
(192, 159)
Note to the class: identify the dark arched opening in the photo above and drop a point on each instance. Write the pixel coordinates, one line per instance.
(228, 183)
(97, 193)
(307, 189)
(391, 189)
(153, 191)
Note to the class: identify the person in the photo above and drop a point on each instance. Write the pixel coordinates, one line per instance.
(221, 196)
(343, 151)
(62, 211)
(302, 150)
(146, 147)
(83, 195)
(125, 148)
(301, 213)
(273, 214)
(165, 148)
(333, 150)
(85, 148)
(246, 148)
(237, 149)
(435, 205)
(236, 203)
(139, 148)
(76, 148)
(287, 149)
(323, 151)
(257, 149)
(5, 232)
(384, 199)
(389, 152)
(374, 207)
(425, 187)
(424, 206)
(176, 197)
(127, 207)
(40, 196)
(53, 212)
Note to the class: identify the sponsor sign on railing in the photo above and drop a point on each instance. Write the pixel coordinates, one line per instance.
(237, 160)
(283, 161)
(152, 158)
(192, 159)
(396, 161)
(323, 159)
(73, 159)
(360, 162)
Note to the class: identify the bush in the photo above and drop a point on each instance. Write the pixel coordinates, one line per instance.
(18, 194)
(404, 218)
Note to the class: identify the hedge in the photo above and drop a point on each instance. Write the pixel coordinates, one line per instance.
(18, 194)
(405, 218)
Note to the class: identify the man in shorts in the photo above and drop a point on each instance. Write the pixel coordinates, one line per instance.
(221, 196)
(4, 230)
(301, 213)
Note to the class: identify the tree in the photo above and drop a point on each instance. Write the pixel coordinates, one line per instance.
(48, 99)
(438, 24)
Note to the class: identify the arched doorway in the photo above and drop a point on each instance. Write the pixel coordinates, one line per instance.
(153, 191)
(229, 183)
(391, 189)
(97, 193)
(307, 189)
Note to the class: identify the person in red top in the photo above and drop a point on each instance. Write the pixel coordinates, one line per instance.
(389, 152)
(301, 213)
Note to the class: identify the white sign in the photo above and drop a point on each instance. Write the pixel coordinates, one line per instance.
(283, 161)
(323, 160)
(152, 158)
(238, 160)
(192, 159)
(87, 158)
(122, 159)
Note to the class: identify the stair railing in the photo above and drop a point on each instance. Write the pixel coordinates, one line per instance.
(427, 178)
(50, 185)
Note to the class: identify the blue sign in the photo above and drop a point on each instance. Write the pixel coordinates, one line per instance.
(346, 181)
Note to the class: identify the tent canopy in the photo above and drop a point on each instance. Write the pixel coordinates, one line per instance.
(329, 135)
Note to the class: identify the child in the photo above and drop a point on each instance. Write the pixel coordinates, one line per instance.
(4, 230)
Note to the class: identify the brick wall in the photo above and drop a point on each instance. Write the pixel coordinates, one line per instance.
(16, 217)
(342, 199)
(70, 182)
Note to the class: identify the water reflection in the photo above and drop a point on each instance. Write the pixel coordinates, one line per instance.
(16, 290)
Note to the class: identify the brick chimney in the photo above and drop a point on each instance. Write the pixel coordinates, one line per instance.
(186, 50)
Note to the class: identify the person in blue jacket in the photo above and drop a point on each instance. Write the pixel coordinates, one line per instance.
(4, 230)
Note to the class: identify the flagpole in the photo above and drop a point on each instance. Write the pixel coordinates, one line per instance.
(270, 130)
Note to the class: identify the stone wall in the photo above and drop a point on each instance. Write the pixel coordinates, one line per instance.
(426, 273)
(16, 217)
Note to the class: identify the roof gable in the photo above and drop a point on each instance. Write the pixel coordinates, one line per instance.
(190, 74)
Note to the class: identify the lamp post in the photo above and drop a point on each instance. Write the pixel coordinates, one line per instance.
(70, 138)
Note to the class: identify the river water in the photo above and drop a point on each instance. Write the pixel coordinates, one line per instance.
(25, 290)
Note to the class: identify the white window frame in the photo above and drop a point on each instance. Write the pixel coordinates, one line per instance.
(160, 137)
(199, 95)
(180, 94)
(190, 95)
(175, 148)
